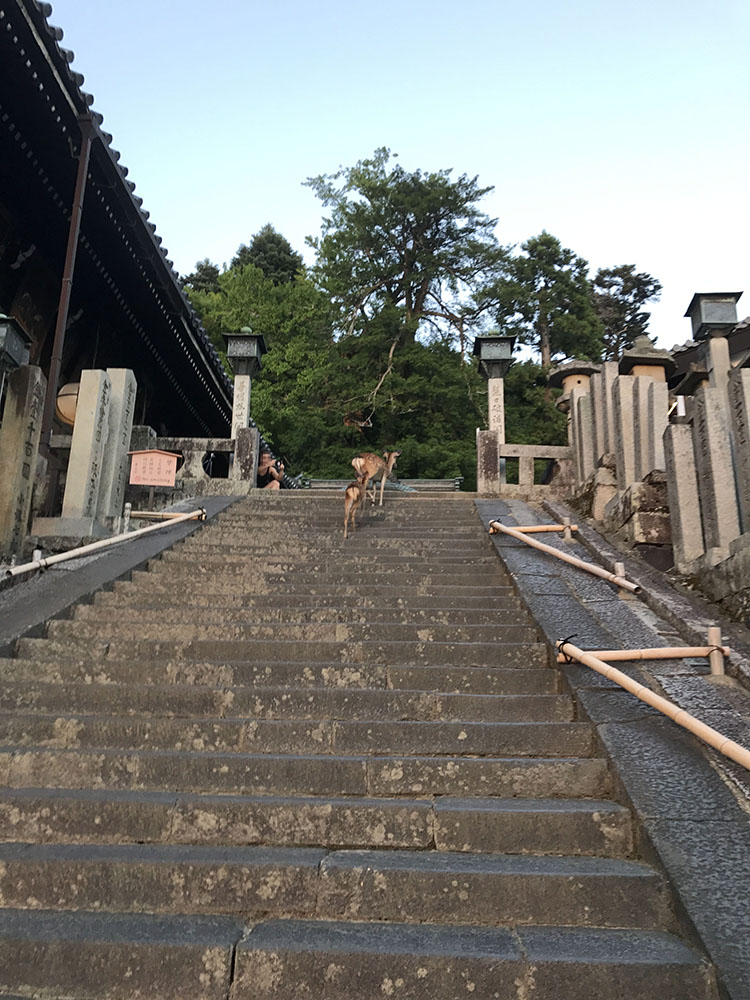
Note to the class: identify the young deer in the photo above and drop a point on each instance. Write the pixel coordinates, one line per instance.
(353, 497)
(368, 466)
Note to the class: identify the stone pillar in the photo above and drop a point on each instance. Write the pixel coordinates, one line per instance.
(19, 448)
(624, 431)
(488, 462)
(526, 470)
(713, 460)
(682, 493)
(115, 463)
(658, 418)
(583, 433)
(606, 444)
(245, 465)
(142, 437)
(241, 403)
(718, 363)
(739, 407)
(496, 407)
(641, 429)
(87, 451)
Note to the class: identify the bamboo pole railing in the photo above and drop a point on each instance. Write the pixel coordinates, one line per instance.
(729, 748)
(83, 550)
(619, 581)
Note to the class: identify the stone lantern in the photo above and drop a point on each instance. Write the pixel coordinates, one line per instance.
(495, 353)
(244, 352)
(569, 376)
(712, 316)
(645, 359)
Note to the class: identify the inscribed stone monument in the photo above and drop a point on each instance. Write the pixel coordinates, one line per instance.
(114, 475)
(19, 447)
(682, 493)
(713, 460)
(87, 448)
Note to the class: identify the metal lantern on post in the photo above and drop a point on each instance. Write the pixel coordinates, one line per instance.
(14, 350)
(14, 344)
(713, 315)
(245, 350)
(495, 353)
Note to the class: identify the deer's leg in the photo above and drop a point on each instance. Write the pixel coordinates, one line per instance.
(382, 486)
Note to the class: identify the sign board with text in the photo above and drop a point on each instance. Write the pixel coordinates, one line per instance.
(153, 467)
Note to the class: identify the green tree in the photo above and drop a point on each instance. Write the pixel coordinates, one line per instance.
(544, 297)
(205, 277)
(272, 253)
(410, 241)
(619, 295)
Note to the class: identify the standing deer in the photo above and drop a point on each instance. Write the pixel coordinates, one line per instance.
(353, 497)
(368, 466)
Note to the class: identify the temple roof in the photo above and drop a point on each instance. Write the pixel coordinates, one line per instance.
(41, 105)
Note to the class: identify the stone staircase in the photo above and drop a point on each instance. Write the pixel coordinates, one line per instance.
(276, 764)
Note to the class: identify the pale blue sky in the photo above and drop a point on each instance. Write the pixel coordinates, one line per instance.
(620, 128)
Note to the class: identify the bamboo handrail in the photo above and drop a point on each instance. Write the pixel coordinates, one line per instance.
(729, 748)
(657, 653)
(104, 543)
(160, 515)
(531, 529)
(620, 581)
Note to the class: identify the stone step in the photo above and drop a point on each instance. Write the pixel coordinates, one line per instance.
(475, 680)
(192, 701)
(340, 960)
(404, 886)
(286, 774)
(271, 558)
(315, 736)
(501, 654)
(308, 585)
(220, 543)
(73, 816)
(126, 594)
(97, 956)
(576, 827)
(117, 674)
(79, 631)
(322, 572)
(208, 614)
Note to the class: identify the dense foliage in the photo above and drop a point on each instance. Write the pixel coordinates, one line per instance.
(369, 349)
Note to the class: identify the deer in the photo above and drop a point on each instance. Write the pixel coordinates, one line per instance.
(368, 466)
(353, 497)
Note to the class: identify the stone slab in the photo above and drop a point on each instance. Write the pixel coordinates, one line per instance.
(87, 448)
(19, 447)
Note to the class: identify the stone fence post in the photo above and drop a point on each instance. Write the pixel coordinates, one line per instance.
(713, 459)
(19, 447)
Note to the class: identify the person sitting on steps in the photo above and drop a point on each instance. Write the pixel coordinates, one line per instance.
(270, 471)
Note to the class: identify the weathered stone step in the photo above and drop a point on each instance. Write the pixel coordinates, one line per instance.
(475, 680)
(533, 826)
(492, 825)
(221, 543)
(108, 672)
(97, 956)
(91, 816)
(341, 960)
(287, 774)
(78, 631)
(193, 701)
(218, 616)
(307, 585)
(501, 654)
(406, 886)
(322, 572)
(272, 559)
(126, 594)
(314, 736)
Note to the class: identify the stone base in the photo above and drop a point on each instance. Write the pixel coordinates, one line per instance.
(69, 527)
(641, 512)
